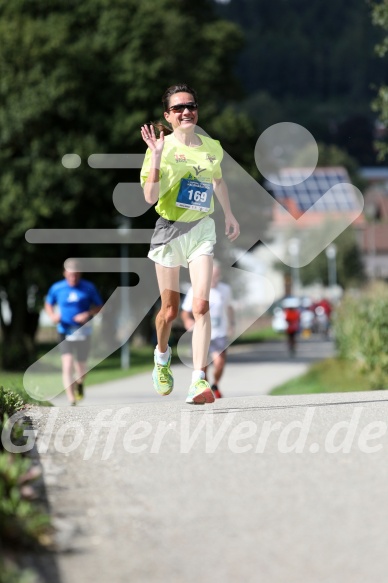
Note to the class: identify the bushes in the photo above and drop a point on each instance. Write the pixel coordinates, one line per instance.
(22, 521)
(11, 574)
(361, 331)
(10, 402)
(23, 524)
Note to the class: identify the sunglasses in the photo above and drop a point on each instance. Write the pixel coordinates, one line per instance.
(180, 107)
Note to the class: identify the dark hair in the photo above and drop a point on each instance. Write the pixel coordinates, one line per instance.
(160, 127)
(179, 88)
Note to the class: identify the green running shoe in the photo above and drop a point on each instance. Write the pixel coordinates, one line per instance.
(162, 376)
(200, 393)
(79, 391)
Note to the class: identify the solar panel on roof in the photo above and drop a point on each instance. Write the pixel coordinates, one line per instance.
(310, 191)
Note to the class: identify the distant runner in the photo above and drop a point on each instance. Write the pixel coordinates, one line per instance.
(78, 301)
(292, 317)
(222, 323)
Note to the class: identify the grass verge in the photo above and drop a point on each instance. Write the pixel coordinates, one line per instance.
(107, 370)
(332, 375)
(260, 335)
(141, 361)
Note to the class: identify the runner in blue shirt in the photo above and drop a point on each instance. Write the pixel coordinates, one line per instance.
(78, 301)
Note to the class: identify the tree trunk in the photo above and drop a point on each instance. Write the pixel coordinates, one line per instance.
(18, 348)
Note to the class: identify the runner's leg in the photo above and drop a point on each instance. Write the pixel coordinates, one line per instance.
(201, 270)
(168, 281)
(219, 359)
(67, 375)
(80, 373)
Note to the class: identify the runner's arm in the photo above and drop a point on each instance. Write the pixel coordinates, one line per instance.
(187, 319)
(232, 228)
(155, 147)
(152, 184)
(231, 321)
(84, 317)
(54, 316)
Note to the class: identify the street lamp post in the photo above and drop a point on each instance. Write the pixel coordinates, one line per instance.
(123, 230)
(294, 248)
(331, 254)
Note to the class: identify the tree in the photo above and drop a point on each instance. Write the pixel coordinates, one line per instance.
(380, 103)
(82, 77)
(312, 63)
(350, 269)
(349, 265)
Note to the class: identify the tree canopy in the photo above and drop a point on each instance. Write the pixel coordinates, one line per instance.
(380, 103)
(82, 77)
(312, 63)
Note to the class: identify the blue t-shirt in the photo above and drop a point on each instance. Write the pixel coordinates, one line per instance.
(73, 300)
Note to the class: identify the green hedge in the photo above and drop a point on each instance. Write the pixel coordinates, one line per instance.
(361, 332)
(23, 523)
(10, 402)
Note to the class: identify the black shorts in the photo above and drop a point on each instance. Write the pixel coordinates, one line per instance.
(79, 348)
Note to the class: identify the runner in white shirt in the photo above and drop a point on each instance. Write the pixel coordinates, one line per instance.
(222, 322)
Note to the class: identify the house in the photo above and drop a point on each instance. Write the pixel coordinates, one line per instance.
(374, 241)
(327, 194)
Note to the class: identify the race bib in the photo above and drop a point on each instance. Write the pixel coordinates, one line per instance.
(195, 195)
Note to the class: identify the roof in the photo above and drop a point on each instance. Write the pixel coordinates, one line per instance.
(373, 174)
(327, 192)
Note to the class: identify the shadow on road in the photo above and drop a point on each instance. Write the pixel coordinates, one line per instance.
(238, 409)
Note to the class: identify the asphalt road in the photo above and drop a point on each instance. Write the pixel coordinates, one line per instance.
(250, 488)
(251, 370)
